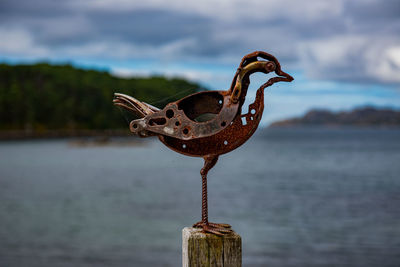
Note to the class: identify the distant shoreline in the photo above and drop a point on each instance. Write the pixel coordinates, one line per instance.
(50, 134)
(361, 117)
(333, 127)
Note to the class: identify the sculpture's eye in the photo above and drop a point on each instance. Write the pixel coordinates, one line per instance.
(202, 107)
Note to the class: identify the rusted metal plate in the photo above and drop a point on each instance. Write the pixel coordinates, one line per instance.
(198, 115)
(238, 132)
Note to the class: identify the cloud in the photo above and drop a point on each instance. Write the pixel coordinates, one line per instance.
(19, 41)
(342, 40)
(352, 57)
(387, 63)
(193, 75)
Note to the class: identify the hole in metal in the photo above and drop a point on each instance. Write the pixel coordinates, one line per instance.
(244, 122)
(134, 126)
(253, 111)
(169, 113)
(223, 123)
(177, 123)
(185, 131)
(202, 106)
(184, 146)
(225, 142)
(205, 117)
(220, 102)
(157, 121)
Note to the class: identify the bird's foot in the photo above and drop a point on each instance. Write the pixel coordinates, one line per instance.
(218, 225)
(214, 228)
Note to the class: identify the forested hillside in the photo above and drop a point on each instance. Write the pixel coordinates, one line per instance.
(47, 97)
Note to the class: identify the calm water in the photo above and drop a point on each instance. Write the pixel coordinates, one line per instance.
(297, 198)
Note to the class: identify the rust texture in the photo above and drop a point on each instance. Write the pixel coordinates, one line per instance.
(210, 123)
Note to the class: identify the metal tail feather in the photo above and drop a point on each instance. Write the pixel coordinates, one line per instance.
(133, 105)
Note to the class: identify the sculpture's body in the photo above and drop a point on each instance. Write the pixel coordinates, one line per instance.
(208, 124)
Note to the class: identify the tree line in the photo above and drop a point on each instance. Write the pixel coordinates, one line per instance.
(44, 97)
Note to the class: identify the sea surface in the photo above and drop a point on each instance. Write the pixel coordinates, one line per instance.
(298, 197)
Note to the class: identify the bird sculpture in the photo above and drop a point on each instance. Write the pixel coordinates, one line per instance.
(207, 124)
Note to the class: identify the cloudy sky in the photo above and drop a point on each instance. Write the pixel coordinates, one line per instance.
(342, 53)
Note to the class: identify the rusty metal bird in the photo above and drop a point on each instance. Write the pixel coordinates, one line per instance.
(208, 124)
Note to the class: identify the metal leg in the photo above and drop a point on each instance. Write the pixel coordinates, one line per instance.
(215, 228)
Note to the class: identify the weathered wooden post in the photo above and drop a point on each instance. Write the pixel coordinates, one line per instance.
(201, 249)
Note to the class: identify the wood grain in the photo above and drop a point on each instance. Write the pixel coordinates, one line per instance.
(202, 249)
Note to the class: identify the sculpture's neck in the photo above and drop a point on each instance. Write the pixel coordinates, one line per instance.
(241, 80)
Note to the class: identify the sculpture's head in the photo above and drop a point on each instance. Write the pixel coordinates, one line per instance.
(258, 61)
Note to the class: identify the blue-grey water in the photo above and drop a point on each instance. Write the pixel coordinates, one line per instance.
(305, 197)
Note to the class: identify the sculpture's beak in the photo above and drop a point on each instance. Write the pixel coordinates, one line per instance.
(133, 105)
(286, 77)
(282, 77)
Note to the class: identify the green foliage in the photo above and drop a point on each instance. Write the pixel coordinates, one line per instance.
(42, 96)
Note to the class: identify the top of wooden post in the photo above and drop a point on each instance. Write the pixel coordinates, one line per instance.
(201, 249)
